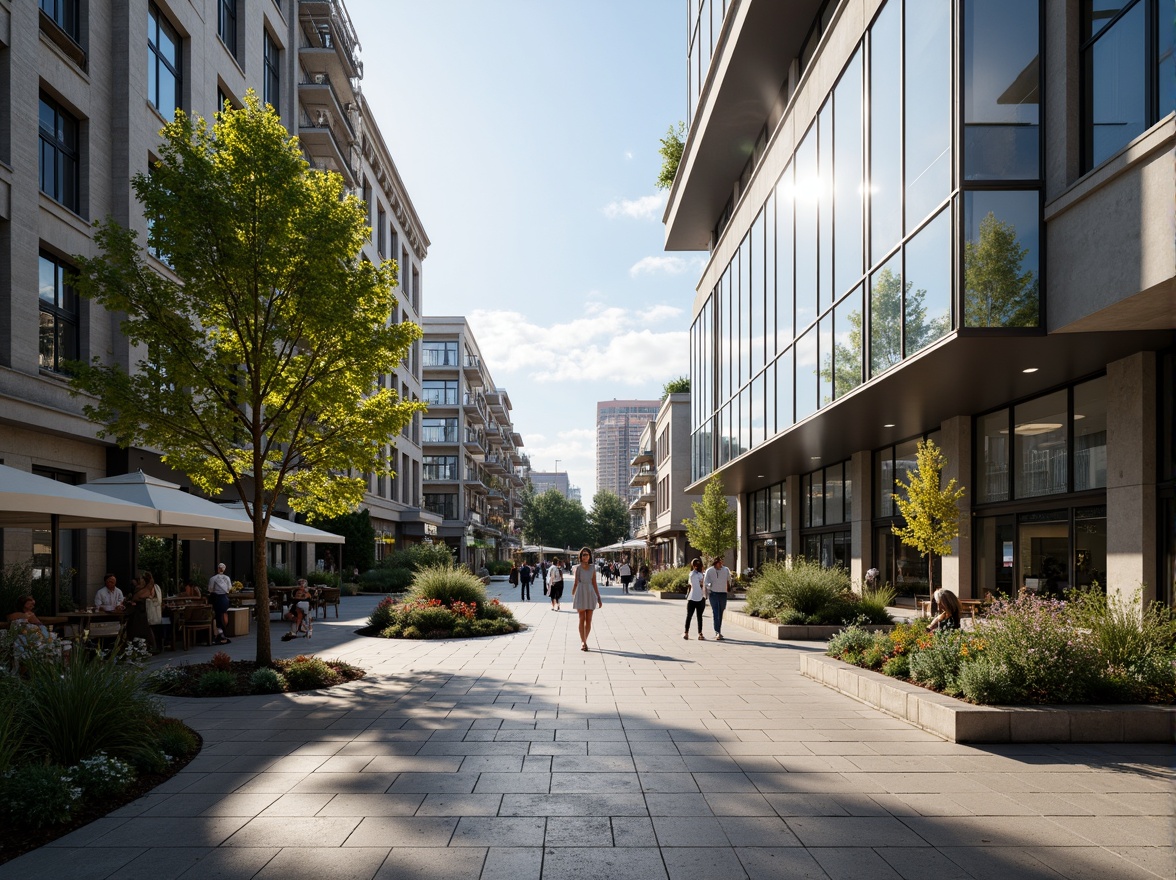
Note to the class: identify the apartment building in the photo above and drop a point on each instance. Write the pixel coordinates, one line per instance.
(473, 463)
(661, 471)
(543, 481)
(618, 431)
(945, 220)
(85, 86)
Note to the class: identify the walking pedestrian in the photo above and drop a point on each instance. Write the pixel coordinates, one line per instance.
(525, 583)
(513, 577)
(555, 583)
(716, 582)
(626, 574)
(696, 598)
(219, 587)
(585, 595)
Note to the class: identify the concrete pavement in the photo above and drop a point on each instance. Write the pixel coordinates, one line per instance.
(648, 757)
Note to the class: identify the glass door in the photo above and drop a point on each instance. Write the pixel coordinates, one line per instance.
(1043, 553)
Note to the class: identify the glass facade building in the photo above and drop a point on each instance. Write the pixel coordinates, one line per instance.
(879, 272)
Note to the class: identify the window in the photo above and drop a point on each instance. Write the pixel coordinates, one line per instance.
(1127, 73)
(272, 61)
(226, 24)
(163, 63)
(65, 15)
(59, 315)
(381, 231)
(439, 354)
(885, 132)
(992, 457)
(927, 107)
(1090, 435)
(1041, 426)
(442, 505)
(927, 280)
(439, 430)
(440, 467)
(437, 392)
(59, 154)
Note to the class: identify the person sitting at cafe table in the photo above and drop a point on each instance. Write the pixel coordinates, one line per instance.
(25, 612)
(190, 590)
(299, 611)
(109, 597)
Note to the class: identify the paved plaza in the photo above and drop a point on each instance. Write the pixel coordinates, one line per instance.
(649, 757)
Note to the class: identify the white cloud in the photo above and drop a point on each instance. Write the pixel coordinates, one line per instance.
(628, 154)
(643, 208)
(667, 264)
(607, 343)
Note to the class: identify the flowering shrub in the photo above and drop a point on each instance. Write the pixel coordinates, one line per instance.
(36, 795)
(445, 603)
(100, 775)
(222, 661)
(166, 679)
(26, 643)
(806, 592)
(1033, 650)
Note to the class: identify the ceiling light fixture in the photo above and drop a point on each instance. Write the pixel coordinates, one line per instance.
(1029, 370)
(888, 425)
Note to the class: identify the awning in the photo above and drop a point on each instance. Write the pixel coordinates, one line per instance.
(288, 530)
(179, 513)
(28, 501)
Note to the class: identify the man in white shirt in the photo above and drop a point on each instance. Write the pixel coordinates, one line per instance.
(219, 587)
(718, 578)
(109, 597)
(626, 574)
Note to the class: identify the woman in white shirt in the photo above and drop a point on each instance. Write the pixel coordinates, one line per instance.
(716, 582)
(696, 598)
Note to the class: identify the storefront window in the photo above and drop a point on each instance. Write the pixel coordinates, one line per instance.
(1040, 427)
(1090, 547)
(1090, 435)
(992, 454)
(1043, 552)
(884, 469)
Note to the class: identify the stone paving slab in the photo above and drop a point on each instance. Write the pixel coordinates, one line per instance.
(648, 757)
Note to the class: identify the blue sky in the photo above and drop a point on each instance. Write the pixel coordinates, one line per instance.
(526, 133)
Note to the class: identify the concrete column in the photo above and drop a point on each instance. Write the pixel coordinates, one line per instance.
(861, 554)
(742, 550)
(1131, 476)
(792, 545)
(956, 439)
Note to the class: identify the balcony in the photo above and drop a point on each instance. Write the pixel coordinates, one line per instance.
(433, 474)
(496, 464)
(645, 456)
(329, 43)
(474, 442)
(472, 365)
(440, 401)
(496, 498)
(327, 142)
(472, 405)
(439, 436)
(643, 500)
(643, 476)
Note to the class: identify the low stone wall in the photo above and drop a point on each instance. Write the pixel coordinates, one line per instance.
(662, 595)
(957, 721)
(792, 632)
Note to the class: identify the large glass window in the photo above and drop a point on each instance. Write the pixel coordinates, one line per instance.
(439, 354)
(754, 285)
(1001, 259)
(1115, 76)
(847, 344)
(163, 63)
(1002, 95)
(1041, 426)
(886, 316)
(756, 411)
(59, 154)
(807, 191)
(927, 310)
(65, 15)
(784, 417)
(784, 307)
(807, 375)
(884, 471)
(1090, 435)
(444, 505)
(992, 448)
(825, 343)
(58, 305)
(440, 467)
(271, 85)
(927, 87)
(439, 392)
(226, 24)
(825, 207)
(885, 131)
(847, 180)
(438, 430)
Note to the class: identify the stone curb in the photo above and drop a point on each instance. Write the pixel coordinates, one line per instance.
(957, 721)
(793, 632)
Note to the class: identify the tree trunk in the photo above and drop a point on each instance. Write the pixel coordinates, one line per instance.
(931, 583)
(261, 578)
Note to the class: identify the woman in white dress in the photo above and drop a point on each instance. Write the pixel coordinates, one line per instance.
(585, 595)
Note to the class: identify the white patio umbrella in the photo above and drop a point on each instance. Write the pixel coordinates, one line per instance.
(288, 530)
(181, 514)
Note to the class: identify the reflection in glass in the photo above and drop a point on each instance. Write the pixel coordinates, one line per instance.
(1167, 68)
(1116, 93)
(817, 499)
(757, 412)
(847, 185)
(844, 363)
(834, 495)
(1001, 234)
(1097, 14)
(1090, 547)
(784, 391)
(927, 314)
(806, 374)
(1002, 99)
(927, 85)
(826, 348)
(905, 462)
(744, 424)
(755, 287)
(825, 210)
(1040, 427)
(784, 326)
(885, 131)
(769, 349)
(886, 316)
(806, 191)
(884, 469)
(1090, 435)
(723, 329)
(992, 457)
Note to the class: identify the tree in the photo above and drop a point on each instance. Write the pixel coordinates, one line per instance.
(257, 356)
(681, 385)
(555, 521)
(359, 547)
(608, 519)
(712, 530)
(996, 292)
(671, 153)
(931, 514)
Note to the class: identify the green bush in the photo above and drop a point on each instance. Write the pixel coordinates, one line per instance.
(280, 576)
(386, 580)
(174, 738)
(90, 705)
(898, 666)
(819, 593)
(938, 666)
(151, 759)
(499, 566)
(36, 795)
(384, 614)
(434, 622)
(1136, 645)
(267, 681)
(990, 683)
(411, 632)
(670, 580)
(418, 556)
(448, 585)
(309, 673)
(17, 580)
(395, 631)
(872, 604)
(11, 731)
(496, 610)
(216, 683)
(101, 777)
(349, 589)
(851, 640)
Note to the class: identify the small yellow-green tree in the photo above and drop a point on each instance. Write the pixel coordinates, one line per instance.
(262, 345)
(930, 512)
(712, 530)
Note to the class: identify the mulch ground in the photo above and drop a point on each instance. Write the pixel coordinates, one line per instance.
(243, 669)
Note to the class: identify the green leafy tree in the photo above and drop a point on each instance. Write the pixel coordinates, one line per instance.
(996, 292)
(359, 547)
(671, 153)
(256, 358)
(713, 528)
(608, 519)
(681, 385)
(555, 521)
(930, 512)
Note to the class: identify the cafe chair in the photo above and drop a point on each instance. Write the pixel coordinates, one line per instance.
(328, 596)
(195, 620)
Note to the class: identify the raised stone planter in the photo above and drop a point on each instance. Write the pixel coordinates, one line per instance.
(957, 721)
(661, 595)
(791, 632)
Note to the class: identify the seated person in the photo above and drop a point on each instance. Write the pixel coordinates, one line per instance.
(299, 612)
(109, 597)
(24, 612)
(190, 590)
(949, 610)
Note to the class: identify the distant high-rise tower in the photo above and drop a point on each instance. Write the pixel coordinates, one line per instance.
(618, 429)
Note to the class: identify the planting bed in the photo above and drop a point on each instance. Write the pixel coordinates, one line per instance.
(791, 632)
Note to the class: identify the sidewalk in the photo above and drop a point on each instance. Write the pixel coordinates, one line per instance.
(649, 757)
